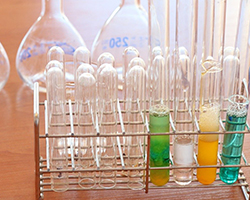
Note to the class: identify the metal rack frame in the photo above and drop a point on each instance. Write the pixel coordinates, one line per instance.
(42, 169)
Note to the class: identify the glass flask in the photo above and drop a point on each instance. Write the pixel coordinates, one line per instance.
(233, 143)
(52, 28)
(117, 34)
(4, 66)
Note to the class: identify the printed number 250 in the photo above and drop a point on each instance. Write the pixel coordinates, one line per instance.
(118, 42)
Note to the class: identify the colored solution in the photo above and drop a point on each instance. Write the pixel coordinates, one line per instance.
(208, 144)
(159, 145)
(232, 147)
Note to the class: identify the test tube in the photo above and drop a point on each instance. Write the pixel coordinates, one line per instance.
(183, 144)
(83, 68)
(159, 123)
(210, 86)
(105, 57)
(209, 120)
(184, 88)
(136, 61)
(56, 53)
(135, 107)
(55, 84)
(81, 56)
(86, 112)
(233, 143)
(128, 54)
(107, 120)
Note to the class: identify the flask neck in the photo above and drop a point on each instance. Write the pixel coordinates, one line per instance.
(52, 7)
(127, 2)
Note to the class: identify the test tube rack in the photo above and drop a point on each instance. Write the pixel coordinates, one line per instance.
(42, 169)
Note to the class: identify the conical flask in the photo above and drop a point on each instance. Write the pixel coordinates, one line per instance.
(126, 26)
(52, 28)
(4, 67)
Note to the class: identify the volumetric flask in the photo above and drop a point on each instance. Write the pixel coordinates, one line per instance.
(233, 143)
(4, 67)
(52, 28)
(86, 112)
(55, 84)
(107, 121)
(116, 34)
(135, 107)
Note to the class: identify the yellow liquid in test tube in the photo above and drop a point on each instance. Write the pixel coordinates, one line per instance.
(208, 144)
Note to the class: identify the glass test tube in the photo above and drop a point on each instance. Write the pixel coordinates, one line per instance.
(135, 107)
(55, 85)
(183, 144)
(209, 120)
(235, 53)
(81, 56)
(105, 57)
(107, 120)
(233, 143)
(86, 112)
(210, 86)
(128, 54)
(159, 123)
(56, 53)
(184, 88)
(136, 61)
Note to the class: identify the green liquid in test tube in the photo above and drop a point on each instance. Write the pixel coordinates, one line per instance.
(159, 144)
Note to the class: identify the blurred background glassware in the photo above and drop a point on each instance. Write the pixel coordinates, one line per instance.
(117, 34)
(4, 67)
(52, 28)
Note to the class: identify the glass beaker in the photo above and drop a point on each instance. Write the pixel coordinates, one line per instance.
(117, 34)
(233, 143)
(4, 67)
(52, 28)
